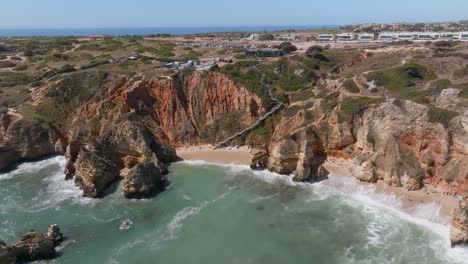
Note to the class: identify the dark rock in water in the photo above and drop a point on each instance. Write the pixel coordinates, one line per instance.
(144, 180)
(54, 234)
(260, 208)
(32, 246)
(5, 256)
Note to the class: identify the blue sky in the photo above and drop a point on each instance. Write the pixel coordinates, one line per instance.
(163, 13)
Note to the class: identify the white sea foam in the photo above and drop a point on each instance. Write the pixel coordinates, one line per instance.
(174, 226)
(126, 224)
(176, 223)
(31, 167)
(374, 202)
(56, 189)
(186, 197)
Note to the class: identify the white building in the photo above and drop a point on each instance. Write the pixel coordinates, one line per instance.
(448, 36)
(365, 37)
(344, 37)
(406, 36)
(463, 36)
(387, 37)
(326, 37)
(427, 36)
(253, 37)
(291, 37)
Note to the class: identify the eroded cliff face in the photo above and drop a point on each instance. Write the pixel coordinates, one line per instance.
(178, 108)
(392, 141)
(129, 131)
(22, 139)
(125, 126)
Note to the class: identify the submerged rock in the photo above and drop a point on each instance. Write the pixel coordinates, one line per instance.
(459, 228)
(32, 246)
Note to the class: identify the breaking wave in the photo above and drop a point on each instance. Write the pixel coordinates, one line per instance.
(366, 196)
(32, 167)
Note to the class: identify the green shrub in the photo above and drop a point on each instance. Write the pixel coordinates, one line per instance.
(192, 55)
(94, 64)
(302, 96)
(6, 64)
(287, 47)
(313, 50)
(221, 52)
(10, 79)
(351, 86)
(400, 80)
(37, 83)
(267, 36)
(292, 110)
(21, 67)
(66, 68)
(350, 105)
(439, 115)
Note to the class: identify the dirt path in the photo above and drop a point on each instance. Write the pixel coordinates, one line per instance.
(12, 112)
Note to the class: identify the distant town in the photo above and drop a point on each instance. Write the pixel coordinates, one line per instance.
(395, 36)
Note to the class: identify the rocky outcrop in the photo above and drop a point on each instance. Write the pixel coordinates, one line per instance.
(22, 139)
(123, 144)
(299, 153)
(459, 228)
(94, 171)
(144, 180)
(394, 141)
(258, 158)
(32, 246)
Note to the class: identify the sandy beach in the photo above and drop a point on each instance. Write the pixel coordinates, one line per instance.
(409, 198)
(230, 155)
(241, 156)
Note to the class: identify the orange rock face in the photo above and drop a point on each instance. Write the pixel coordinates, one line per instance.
(179, 108)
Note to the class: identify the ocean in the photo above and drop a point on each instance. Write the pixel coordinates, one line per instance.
(223, 214)
(146, 31)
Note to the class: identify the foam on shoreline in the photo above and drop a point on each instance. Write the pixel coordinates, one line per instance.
(427, 215)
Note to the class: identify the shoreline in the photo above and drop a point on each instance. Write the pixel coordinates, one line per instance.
(409, 200)
(230, 155)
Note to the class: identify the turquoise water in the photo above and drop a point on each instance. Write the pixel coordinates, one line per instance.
(221, 214)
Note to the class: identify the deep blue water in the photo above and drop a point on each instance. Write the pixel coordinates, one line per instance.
(145, 31)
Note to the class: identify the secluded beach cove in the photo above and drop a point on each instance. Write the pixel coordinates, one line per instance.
(218, 210)
(340, 168)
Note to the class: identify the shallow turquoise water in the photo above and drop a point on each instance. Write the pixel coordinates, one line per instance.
(219, 214)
